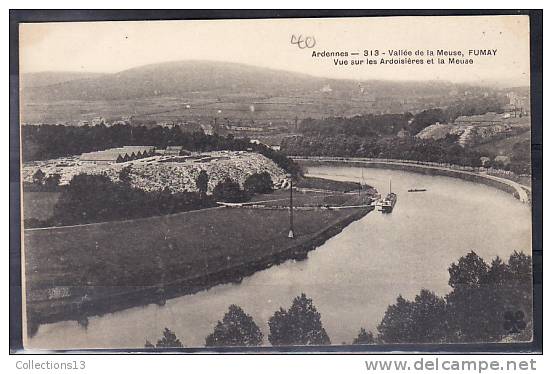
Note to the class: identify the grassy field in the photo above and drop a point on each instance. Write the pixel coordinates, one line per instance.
(69, 269)
(196, 106)
(327, 184)
(39, 205)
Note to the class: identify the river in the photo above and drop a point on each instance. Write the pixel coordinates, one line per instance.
(352, 278)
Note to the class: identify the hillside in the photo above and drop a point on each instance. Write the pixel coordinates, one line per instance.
(185, 77)
(49, 78)
(175, 78)
(198, 90)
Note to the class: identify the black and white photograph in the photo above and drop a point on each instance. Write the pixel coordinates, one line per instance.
(276, 183)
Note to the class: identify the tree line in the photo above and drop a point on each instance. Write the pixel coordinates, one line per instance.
(96, 198)
(488, 303)
(43, 142)
(375, 125)
(409, 148)
(446, 150)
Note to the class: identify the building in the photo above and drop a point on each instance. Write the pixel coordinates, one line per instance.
(485, 161)
(404, 133)
(117, 155)
(109, 156)
(176, 150)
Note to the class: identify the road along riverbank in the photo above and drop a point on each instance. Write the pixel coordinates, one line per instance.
(517, 190)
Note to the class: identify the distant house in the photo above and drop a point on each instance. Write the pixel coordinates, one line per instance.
(505, 160)
(403, 133)
(98, 121)
(190, 127)
(489, 118)
(176, 150)
(326, 88)
(485, 161)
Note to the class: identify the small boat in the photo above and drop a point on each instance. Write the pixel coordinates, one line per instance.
(417, 190)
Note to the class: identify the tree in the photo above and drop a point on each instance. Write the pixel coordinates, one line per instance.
(202, 181)
(483, 295)
(420, 321)
(395, 325)
(258, 183)
(169, 340)
(124, 174)
(52, 181)
(88, 198)
(520, 267)
(364, 337)
(300, 325)
(487, 303)
(148, 344)
(38, 177)
(475, 304)
(470, 271)
(426, 118)
(498, 272)
(229, 191)
(236, 329)
(429, 314)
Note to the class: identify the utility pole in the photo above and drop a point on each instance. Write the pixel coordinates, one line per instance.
(291, 234)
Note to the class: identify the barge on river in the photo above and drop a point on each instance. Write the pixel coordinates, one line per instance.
(386, 205)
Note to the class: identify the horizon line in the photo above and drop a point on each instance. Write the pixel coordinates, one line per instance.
(475, 82)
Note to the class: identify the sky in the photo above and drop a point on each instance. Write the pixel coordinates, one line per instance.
(116, 46)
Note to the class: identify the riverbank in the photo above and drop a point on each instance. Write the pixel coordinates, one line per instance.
(520, 192)
(76, 272)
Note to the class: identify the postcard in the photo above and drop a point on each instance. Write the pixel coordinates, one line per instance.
(276, 182)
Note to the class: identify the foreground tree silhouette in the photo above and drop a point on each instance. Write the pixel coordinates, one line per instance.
(148, 344)
(469, 273)
(300, 325)
(420, 321)
(488, 303)
(169, 340)
(236, 329)
(482, 295)
(364, 337)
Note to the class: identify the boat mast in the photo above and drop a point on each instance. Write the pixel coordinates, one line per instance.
(389, 185)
